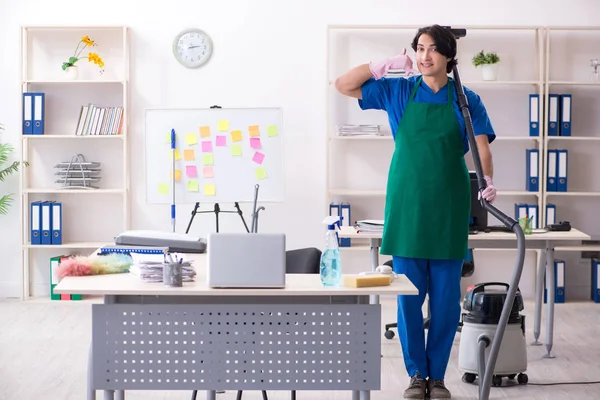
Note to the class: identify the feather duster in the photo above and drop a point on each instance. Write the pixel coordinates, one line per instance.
(94, 265)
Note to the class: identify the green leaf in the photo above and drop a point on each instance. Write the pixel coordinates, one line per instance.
(14, 167)
(482, 58)
(73, 60)
(5, 150)
(5, 203)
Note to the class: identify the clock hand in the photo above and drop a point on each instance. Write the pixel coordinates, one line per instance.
(193, 47)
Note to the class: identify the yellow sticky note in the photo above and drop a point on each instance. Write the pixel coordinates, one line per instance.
(191, 139)
(192, 185)
(223, 125)
(177, 175)
(272, 130)
(163, 188)
(236, 150)
(168, 137)
(236, 136)
(208, 159)
(189, 155)
(253, 130)
(177, 154)
(209, 189)
(261, 173)
(204, 131)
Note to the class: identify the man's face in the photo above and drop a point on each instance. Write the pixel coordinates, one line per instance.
(429, 61)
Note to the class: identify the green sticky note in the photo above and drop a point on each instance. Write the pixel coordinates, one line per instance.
(208, 159)
(192, 185)
(272, 130)
(261, 173)
(163, 188)
(236, 150)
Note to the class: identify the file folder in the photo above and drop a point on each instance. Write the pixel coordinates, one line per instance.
(56, 223)
(38, 113)
(346, 221)
(562, 170)
(553, 123)
(559, 282)
(521, 210)
(550, 214)
(46, 222)
(532, 167)
(565, 114)
(595, 280)
(532, 212)
(534, 115)
(552, 170)
(27, 113)
(35, 221)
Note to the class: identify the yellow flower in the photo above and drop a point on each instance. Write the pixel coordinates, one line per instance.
(88, 42)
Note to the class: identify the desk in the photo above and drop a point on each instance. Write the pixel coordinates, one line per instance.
(304, 337)
(505, 240)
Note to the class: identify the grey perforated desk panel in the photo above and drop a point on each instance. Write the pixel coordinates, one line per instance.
(305, 337)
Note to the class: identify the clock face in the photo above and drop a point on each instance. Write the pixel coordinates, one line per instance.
(192, 48)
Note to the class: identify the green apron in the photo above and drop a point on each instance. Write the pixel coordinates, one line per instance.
(428, 200)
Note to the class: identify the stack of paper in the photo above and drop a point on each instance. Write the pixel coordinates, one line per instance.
(149, 268)
(370, 226)
(357, 130)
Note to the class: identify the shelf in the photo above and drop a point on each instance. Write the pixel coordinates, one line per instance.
(48, 136)
(516, 193)
(581, 194)
(73, 82)
(74, 191)
(573, 138)
(71, 245)
(590, 247)
(574, 83)
(517, 138)
(467, 83)
(359, 192)
(389, 137)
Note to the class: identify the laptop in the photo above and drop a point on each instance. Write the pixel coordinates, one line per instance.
(246, 260)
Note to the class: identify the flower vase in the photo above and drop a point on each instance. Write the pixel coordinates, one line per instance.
(72, 73)
(490, 72)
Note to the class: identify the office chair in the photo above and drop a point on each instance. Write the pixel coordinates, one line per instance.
(299, 261)
(468, 268)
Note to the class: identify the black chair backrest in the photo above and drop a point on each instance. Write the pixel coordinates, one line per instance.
(303, 261)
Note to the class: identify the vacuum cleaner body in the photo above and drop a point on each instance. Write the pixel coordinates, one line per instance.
(484, 308)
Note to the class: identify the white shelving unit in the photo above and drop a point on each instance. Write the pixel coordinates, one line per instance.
(357, 166)
(90, 217)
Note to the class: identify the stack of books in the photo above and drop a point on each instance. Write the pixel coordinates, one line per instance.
(369, 226)
(358, 130)
(95, 120)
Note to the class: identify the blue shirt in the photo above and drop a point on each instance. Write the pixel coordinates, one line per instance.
(392, 95)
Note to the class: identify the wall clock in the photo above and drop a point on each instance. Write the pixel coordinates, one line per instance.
(192, 47)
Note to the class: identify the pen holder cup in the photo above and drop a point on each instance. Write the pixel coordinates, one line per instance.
(526, 225)
(173, 274)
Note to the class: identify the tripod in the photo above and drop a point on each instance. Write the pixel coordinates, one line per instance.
(216, 210)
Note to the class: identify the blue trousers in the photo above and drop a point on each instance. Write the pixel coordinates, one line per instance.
(441, 280)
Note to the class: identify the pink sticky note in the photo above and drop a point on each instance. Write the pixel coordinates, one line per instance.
(207, 146)
(258, 157)
(191, 171)
(208, 172)
(255, 143)
(221, 140)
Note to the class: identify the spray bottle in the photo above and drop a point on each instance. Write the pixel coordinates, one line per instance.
(331, 271)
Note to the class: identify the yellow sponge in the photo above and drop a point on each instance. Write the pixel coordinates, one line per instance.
(366, 280)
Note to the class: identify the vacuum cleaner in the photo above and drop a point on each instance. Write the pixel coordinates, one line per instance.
(483, 341)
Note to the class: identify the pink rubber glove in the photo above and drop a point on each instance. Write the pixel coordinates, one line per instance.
(401, 61)
(489, 193)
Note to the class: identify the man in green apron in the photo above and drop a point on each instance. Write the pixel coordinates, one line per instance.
(427, 209)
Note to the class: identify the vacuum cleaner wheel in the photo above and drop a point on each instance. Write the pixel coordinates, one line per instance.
(522, 378)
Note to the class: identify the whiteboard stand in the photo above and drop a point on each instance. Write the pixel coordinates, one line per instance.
(216, 210)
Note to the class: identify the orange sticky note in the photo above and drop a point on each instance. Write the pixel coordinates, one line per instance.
(189, 155)
(236, 136)
(177, 175)
(204, 131)
(253, 130)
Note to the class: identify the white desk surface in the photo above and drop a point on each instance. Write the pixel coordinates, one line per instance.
(573, 234)
(296, 285)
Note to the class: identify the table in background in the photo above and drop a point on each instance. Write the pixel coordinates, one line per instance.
(147, 336)
(546, 241)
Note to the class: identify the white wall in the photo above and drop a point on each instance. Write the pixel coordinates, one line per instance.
(267, 53)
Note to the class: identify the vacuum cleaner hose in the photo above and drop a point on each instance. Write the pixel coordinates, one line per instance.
(486, 372)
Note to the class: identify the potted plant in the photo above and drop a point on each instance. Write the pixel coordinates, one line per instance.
(489, 64)
(69, 66)
(5, 150)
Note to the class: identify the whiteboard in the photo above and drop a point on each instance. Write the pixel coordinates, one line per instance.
(221, 154)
